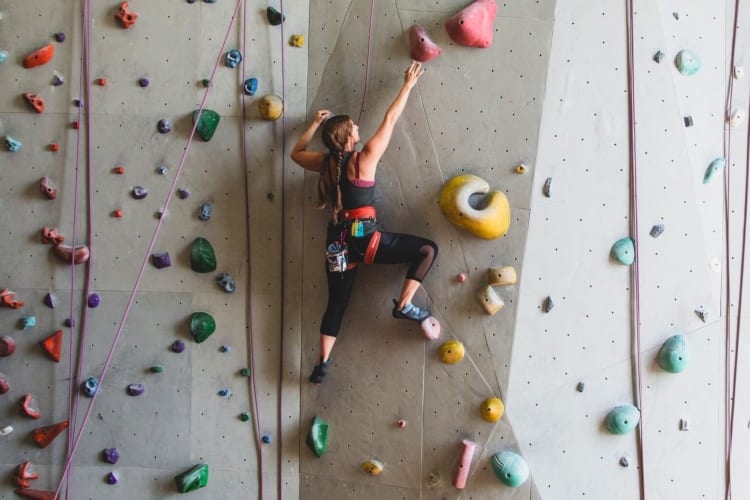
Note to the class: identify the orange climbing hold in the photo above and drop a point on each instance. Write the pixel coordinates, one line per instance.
(53, 345)
(119, 170)
(27, 403)
(472, 26)
(36, 494)
(36, 102)
(54, 147)
(24, 476)
(101, 82)
(39, 56)
(126, 18)
(8, 298)
(43, 436)
(117, 213)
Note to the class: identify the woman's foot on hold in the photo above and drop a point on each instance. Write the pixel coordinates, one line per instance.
(410, 311)
(320, 371)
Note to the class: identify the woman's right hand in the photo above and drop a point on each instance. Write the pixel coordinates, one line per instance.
(412, 73)
(321, 116)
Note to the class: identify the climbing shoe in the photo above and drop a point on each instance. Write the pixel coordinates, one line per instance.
(320, 371)
(410, 311)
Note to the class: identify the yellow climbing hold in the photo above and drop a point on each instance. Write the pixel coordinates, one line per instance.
(297, 40)
(373, 466)
(271, 107)
(452, 352)
(491, 221)
(521, 168)
(492, 409)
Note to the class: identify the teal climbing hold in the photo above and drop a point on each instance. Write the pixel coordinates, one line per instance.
(687, 62)
(202, 325)
(207, 120)
(623, 251)
(622, 419)
(12, 144)
(192, 479)
(713, 167)
(202, 256)
(274, 16)
(510, 468)
(317, 438)
(673, 355)
(3, 56)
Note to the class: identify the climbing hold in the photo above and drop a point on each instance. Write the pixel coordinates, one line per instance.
(245, 372)
(60, 37)
(297, 40)
(656, 230)
(76, 125)
(233, 58)
(183, 193)
(225, 393)
(4, 431)
(4, 385)
(461, 277)
(93, 300)
(135, 389)
(126, 18)
(7, 346)
(51, 236)
(78, 103)
(8, 299)
(472, 26)
(451, 352)
(50, 300)
(702, 313)
(110, 455)
(274, 16)
(490, 222)
(251, 86)
(623, 251)
(161, 260)
(207, 123)
(271, 107)
(580, 387)
(139, 192)
(269, 196)
(48, 188)
(43, 436)
(12, 144)
(206, 82)
(164, 126)
(57, 80)
(90, 386)
(161, 169)
(36, 494)
(521, 168)
(157, 369)
(202, 256)
(53, 345)
(684, 424)
(111, 478)
(510, 468)
(547, 188)
(3, 56)
(673, 355)
(192, 479)
(688, 120)
(373, 466)
(178, 346)
(202, 325)
(77, 255)
(54, 147)
(226, 282)
(401, 423)
(102, 82)
(624, 461)
(737, 118)
(317, 437)
(421, 47)
(430, 328)
(490, 300)
(244, 416)
(266, 439)
(622, 419)
(24, 477)
(119, 170)
(35, 101)
(28, 404)
(492, 409)
(206, 211)
(28, 322)
(687, 62)
(501, 276)
(144, 82)
(69, 322)
(659, 56)
(117, 213)
(547, 305)
(39, 56)
(713, 167)
(464, 464)
(739, 72)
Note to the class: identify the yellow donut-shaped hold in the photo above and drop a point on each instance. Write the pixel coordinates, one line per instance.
(490, 222)
(271, 107)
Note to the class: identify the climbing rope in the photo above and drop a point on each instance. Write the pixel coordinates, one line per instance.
(279, 486)
(367, 61)
(144, 262)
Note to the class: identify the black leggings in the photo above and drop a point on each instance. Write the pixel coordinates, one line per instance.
(394, 248)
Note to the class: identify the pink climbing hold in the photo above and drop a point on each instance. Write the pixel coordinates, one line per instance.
(472, 26)
(421, 48)
(464, 464)
(48, 188)
(431, 328)
(7, 346)
(4, 385)
(77, 255)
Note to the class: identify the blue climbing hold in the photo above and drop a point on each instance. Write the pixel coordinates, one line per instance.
(207, 210)
(673, 355)
(622, 419)
(233, 58)
(687, 62)
(3, 56)
(225, 392)
(713, 167)
(28, 322)
(510, 468)
(12, 144)
(226, 282)
(623, 251)
(90, 386)
(251, 86)
(267, 439)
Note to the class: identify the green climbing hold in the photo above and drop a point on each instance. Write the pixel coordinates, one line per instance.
(245, 372)
(192, 479)
(202, 325)
(713, 167)
(157, 369)
(623, 251)
(202, 256)
(207, 123)
(244, 416)
(510, 468)
(687, 62)
(317, 438)
(274, 16)
(673, 355)
(622, 419)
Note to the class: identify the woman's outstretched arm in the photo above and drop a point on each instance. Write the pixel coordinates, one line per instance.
(309, 160)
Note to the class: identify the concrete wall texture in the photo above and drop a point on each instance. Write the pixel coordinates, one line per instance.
(551, 92)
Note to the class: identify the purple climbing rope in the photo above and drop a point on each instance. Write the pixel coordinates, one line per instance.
(144, 262)
(280, 448)
(367, 61)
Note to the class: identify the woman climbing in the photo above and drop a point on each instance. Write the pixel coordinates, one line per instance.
(347, 183)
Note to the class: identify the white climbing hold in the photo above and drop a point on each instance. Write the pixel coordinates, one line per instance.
(490, 300)
(501, 276)
(715, 265)
(737, 118)
(6, 430)
(739, 72)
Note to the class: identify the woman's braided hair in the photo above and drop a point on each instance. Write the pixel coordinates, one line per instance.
(336, 133)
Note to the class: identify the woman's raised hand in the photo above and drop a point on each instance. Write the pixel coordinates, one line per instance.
(412, 73)
(321, 116)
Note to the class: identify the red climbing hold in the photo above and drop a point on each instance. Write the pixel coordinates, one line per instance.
(8, 299)
(43, 436)
(102, 82)
(53, 345)
(36, 494)
(28, 407)
(472, 26)
(39, 56)
(48, 188)
(75, 125)
(126, 18)
(24, 476)
(7, 346)
(51, 236)
(4, 385)
(36, 102)
(421, 48)
(54, 147)
(77, 255)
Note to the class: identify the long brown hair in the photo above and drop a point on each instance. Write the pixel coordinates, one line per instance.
(336, 133)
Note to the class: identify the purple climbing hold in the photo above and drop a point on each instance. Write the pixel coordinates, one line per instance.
(139, 192)
(57, 80)
(50, 300)
(136, 389)
(93, 300)
(164, 126)
(78, 103)
(183, 193)
(60, 37)
(69, 322)
(161, 260)
(143, 82)
(110, 455)
(111, 478)
(178, 346)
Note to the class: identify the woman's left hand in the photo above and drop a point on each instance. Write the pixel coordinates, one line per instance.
(321, 116)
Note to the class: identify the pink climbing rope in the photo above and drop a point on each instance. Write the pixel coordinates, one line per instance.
(144, 262)
(635, 275)
(367, 61)
(280, 448)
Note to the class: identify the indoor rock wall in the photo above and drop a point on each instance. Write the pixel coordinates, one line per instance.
(551, 92)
